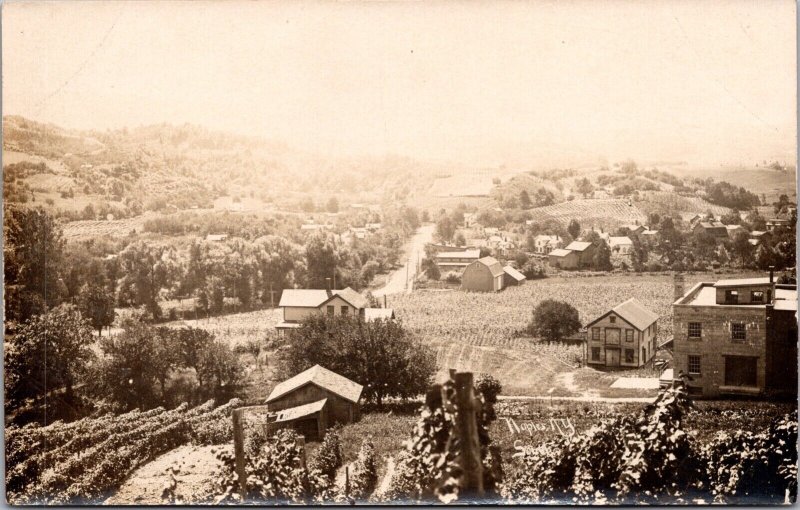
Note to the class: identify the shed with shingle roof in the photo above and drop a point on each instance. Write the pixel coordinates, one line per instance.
(314, 385)
(512, 276)
(483, 275)
(585, 251)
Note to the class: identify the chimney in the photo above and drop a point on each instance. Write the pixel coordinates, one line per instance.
(771, 274)
(328, 286)
(678, 286)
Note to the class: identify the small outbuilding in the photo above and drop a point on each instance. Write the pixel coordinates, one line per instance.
(313, 400)
(512, 276)
(483, 275)
(585, 251)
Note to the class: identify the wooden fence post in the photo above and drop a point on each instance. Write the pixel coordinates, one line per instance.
(238, 450)
(466, 403)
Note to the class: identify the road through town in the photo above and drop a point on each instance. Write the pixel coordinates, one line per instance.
(402, 279)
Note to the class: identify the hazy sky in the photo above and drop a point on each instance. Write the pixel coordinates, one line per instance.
(474, 82)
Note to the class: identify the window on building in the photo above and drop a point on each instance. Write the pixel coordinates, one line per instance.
(628, 355)
(644, 354)
(738, 331)
(695, 330)
(612, 319)
(330, 310)
(596, 353)
(345, 310)
(629, 335)
(595, 333)
(731, 297)
(757, 296)
(693, 364)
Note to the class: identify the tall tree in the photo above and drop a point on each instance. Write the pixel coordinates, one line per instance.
(322, 259)
(525, 200)
(742, 249)
(554, 320)
(601, 260)
(147, 270)
(445, 228)
(34, 250)
(333, 205)
(380, 355)
(97, 305)
(639, 254)
(48, 352)
(584, 187)
(574, 229)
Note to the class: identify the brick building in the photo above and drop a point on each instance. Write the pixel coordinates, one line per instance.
(737, 337)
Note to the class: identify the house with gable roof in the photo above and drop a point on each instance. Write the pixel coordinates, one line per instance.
(625, 336)
(297, 304)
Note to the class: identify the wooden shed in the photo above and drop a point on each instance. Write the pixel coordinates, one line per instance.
(512, 276)
(313, 400)
(483, 275)
(564, 259)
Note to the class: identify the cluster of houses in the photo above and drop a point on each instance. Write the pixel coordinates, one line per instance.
(708, 224)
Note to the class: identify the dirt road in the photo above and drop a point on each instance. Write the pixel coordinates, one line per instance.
(402, 279)
(196, 467)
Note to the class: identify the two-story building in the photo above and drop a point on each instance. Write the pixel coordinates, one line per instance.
(715, 229)
(297, 304)
(737, 337)
(625, 336)
(543, 244)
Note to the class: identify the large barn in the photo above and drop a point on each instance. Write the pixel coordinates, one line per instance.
(313, 400)
(483, 275)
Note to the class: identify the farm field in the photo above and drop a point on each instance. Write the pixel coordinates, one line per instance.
(608, 213)
(661, 202)
(484, 332)
(91, 229)
(85, 460)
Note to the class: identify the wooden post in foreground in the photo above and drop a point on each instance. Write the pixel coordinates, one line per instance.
(470, 459)
(238, 450)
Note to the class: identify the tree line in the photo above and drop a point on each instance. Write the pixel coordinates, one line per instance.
(42, 270)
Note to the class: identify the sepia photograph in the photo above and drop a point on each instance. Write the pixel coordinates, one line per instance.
(381, 253)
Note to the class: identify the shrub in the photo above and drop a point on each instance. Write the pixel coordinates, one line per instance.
(364, 476)
(452, 277)
(329, 456)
